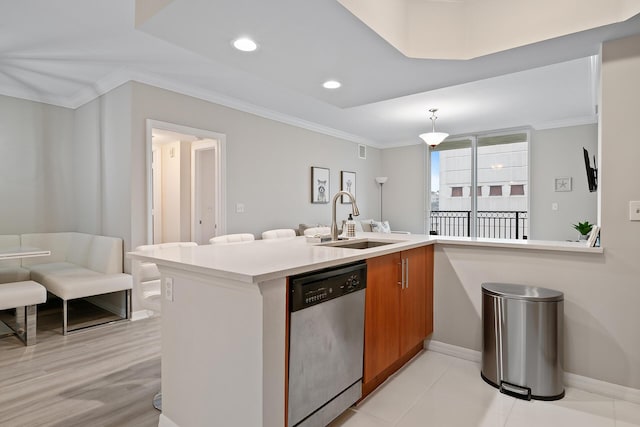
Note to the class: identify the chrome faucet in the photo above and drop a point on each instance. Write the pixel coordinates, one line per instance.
(354, 212)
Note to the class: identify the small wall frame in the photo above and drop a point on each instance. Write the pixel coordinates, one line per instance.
(562, 183)
(348, 183)
(320, 185)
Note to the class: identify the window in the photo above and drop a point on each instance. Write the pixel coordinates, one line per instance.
(517, 190)
(498, 162)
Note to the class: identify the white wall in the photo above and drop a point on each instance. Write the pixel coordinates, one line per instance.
(601, 291)
(558, 153)
(404, 195)
(268, 164)
(36, 167)
(102, 165)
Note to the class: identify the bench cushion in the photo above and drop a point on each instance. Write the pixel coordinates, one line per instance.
(68, 281)
(20, 294)
(13, 274)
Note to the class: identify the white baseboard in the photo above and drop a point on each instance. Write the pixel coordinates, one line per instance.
(164, 421)
(603, 388)
(453, 350)
(140, 314)
(614, 391)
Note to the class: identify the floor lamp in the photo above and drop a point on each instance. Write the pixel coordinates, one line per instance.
(381, 180)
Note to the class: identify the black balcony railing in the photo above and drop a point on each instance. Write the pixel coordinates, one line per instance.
(491, 224)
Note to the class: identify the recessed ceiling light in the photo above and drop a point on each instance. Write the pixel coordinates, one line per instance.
(331, 84)
(245, 44)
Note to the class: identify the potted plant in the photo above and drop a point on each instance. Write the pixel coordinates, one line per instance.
(584, 228)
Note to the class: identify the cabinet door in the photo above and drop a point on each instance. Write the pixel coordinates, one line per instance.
(413, 300)
(382, 322)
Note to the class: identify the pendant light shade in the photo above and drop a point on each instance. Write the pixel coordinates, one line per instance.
(433, 138)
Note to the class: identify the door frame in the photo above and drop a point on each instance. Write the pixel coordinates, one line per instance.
(220, 173)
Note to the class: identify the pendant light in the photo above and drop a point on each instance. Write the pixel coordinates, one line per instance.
(433, 138)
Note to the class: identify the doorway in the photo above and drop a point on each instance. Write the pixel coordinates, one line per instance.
(203, 197)
(185, 183)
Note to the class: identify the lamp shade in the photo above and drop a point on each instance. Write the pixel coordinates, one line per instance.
(381, 179)
(433, 138)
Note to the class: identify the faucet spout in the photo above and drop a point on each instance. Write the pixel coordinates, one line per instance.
(354, 211)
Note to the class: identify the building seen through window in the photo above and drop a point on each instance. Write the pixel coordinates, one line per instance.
(500, 177)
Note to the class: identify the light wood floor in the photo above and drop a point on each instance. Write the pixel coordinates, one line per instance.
(100, 377)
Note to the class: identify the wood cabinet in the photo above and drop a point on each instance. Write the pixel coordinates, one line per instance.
(398, 311)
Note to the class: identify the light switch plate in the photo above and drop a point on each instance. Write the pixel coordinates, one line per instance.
(168, 288)
(634, 211)
(239, 207)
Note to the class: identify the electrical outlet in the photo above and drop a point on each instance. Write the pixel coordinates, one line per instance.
(168, 288)
(634, 211)
(239, 207)
(554, 206)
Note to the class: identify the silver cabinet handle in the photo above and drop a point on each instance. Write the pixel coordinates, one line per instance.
(403, 273)
(406, 280)
(401, 264)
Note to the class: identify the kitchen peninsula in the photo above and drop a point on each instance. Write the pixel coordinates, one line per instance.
(224, 321)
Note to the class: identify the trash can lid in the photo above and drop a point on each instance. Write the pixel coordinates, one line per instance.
(524, 292)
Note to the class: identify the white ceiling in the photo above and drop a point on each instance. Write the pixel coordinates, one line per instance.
(70, 51)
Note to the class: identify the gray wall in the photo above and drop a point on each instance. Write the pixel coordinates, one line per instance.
(268, 164)
(558, 153)
(102, 165)
(403, 195)
(601, 291)
(36, 167)
(84, 170)
(554, 153)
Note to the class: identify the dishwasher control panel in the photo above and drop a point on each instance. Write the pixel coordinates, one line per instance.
(313, 288)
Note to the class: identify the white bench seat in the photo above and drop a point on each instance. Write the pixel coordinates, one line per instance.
(69, 281)
(24, 296)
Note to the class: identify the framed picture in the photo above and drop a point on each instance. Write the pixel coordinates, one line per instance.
(320, 185)
(348, 183)
(562, 184)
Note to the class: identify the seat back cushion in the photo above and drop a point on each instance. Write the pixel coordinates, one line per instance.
(149, 272)
(281, 233)
(57, 243)
(365, 225)
(10, 241)
(78, 252)
(13, 274)
(380, 227)
(105, 255)
(232, 238)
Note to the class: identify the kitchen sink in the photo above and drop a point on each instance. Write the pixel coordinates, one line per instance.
(360, 244)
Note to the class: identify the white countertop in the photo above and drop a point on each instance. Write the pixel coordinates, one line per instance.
(262, 260)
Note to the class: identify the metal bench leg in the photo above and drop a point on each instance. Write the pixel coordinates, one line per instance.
(26, 319)
(64, 317)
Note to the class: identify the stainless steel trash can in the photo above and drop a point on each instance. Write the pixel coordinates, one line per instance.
(522, 344)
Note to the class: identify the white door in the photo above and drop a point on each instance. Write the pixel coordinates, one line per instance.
(204, 191)
(156, 212)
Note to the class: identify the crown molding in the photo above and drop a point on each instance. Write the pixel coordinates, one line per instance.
(246, 107)
(122, 76)
(573, 121)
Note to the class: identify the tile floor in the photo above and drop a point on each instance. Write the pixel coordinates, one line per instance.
(443, 391)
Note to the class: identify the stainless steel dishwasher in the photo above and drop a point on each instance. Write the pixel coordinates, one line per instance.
(326, 341)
